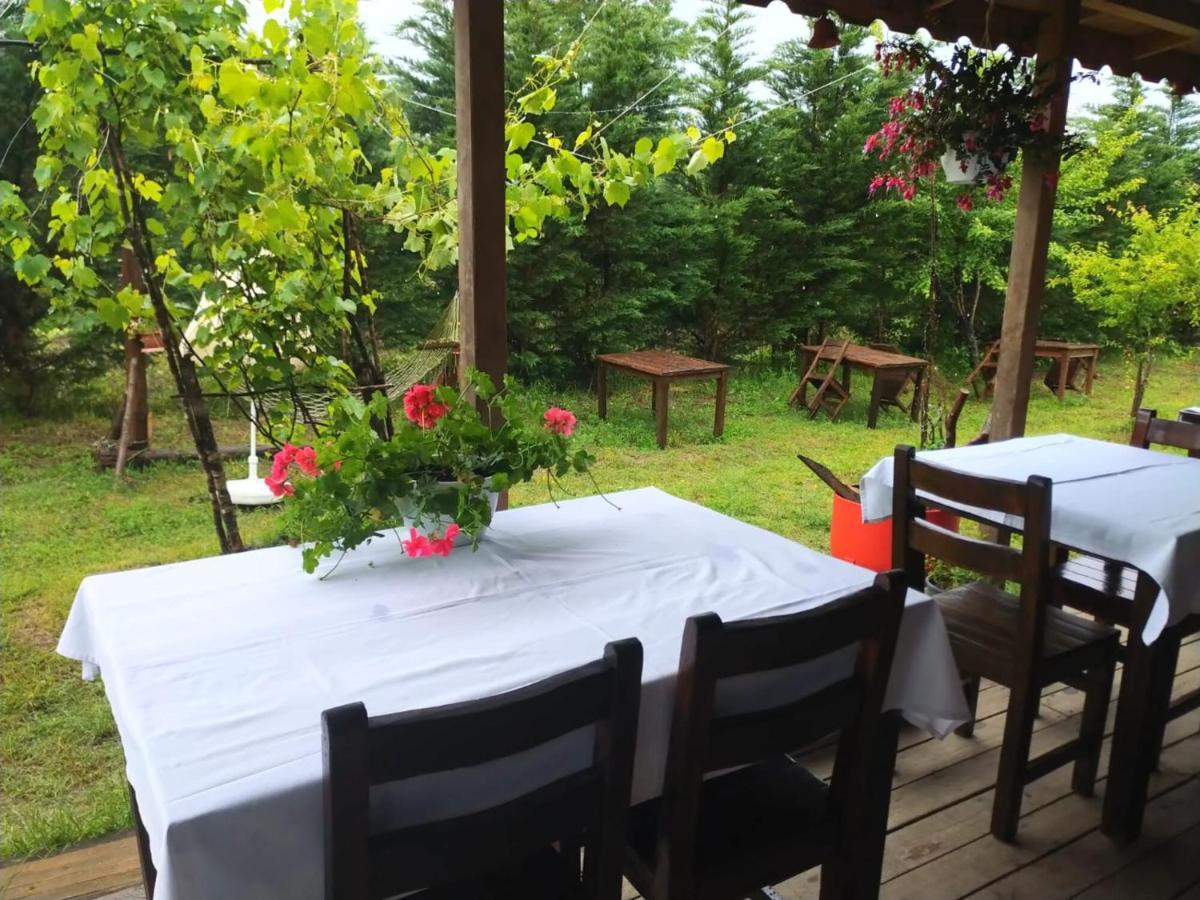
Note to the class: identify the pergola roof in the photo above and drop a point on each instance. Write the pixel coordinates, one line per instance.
(1157, 39)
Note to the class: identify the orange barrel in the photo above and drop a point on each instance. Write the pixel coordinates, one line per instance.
(869, 544)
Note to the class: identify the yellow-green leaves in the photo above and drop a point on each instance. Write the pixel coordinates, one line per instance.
(147, 189)
(709, 151)
(616, 193)
(519, 134)
(237, 82)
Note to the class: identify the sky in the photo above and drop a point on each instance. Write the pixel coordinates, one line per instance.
(770, 27)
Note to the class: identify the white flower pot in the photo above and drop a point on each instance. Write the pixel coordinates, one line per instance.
(438, 525)
(978, 167)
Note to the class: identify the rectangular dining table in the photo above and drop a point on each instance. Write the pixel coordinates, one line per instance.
(1132, 506)
(217, 670)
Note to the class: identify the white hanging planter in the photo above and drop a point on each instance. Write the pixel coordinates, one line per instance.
(971, 169)
(437, 524)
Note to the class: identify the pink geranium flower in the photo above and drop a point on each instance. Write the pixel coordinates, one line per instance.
(417, 544)
(965, 202)
(306, 459)
(560, 421)
(421, 408)
(441, 546)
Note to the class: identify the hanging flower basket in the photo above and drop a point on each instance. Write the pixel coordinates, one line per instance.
(971, 166)
(971, 115)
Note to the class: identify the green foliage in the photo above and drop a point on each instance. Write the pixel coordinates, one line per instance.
(1147, 292)
(246, 175)
(435, 471)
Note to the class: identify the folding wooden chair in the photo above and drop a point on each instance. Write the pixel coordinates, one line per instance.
(831, 395)
(525, 847)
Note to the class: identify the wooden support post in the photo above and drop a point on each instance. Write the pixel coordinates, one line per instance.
(479, 102)
(1031, 236)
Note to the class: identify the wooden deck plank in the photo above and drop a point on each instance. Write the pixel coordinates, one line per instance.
(88, 871)
(1056, 827)
(1159, 874)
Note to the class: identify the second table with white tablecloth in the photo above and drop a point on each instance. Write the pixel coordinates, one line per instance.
(217, 670)
(1140, 507)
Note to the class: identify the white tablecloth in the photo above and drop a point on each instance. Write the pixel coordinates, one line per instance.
(217, 670)
(1140, 507)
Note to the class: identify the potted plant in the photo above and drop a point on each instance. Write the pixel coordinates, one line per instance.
(433, 482)
(970, 114)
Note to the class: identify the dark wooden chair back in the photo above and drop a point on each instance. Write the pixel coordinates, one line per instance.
(705, 739)
(1150, 431)
(587, 808)
(918, 485)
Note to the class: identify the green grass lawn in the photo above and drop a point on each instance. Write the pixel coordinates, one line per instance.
(61, 769)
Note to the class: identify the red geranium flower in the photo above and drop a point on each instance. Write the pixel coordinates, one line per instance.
(421, 408)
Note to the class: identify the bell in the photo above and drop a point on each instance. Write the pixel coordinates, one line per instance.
(824, 35)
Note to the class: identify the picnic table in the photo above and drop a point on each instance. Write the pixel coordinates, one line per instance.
(891, 373)
(218, 669)
(1067, 359)
(662, 367)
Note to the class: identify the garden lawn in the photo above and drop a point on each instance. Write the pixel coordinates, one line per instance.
(61, 769)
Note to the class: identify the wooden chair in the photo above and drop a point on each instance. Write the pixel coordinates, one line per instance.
(726, 836)
(1021, 642)
(831, 395)
(1106, 589)
(505, 850)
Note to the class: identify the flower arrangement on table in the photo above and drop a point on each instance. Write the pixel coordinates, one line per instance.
(434, 481)
(972, 113)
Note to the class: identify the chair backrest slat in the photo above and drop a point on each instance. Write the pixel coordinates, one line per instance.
(1149, 431)
(993, 560)
(586, 808)
(958, 489)
(759, 645)
(705, 739)
(458, 735)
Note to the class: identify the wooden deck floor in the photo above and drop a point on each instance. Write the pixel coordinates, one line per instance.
(939, 845)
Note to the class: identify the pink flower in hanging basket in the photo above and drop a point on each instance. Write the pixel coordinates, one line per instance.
(965, 202)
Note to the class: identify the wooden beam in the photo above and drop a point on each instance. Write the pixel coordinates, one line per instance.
(1176, 16)
(482, 222)
(1031, 236)
(1161, 42)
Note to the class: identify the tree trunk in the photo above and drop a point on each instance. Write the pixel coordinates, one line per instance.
(1141, 380)
(182, 367)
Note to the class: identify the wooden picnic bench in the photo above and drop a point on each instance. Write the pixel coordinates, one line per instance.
(891, 373)
(1067, 359)
(662, 367)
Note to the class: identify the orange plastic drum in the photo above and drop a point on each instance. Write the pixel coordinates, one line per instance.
(869, 544)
